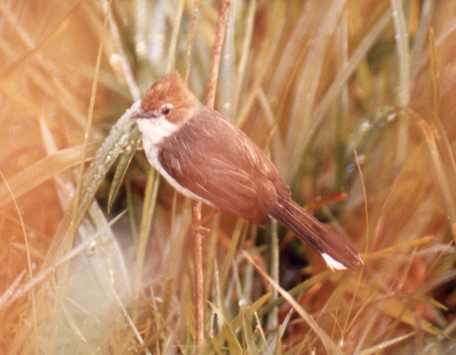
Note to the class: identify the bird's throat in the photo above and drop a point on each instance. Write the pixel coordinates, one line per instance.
(155, 130)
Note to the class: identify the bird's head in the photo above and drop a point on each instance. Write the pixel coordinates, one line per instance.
(167, 99)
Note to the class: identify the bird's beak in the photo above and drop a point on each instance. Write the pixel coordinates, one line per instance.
(138, 113)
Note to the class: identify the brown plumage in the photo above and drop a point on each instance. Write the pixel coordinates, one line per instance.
(219, 163)
(206, 157)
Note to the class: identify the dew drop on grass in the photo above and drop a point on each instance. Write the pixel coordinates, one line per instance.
(115, 60)
(391, 117)
(141, 48)
(365, 126)
(91, 248)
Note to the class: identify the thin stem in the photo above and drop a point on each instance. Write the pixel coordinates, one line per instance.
(199, 272)
(196, 208)
(217, 53)
(273, 319)
(403, 52)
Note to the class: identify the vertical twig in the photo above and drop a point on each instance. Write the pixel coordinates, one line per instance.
(196, 208)
(199, 274)
(216, 53)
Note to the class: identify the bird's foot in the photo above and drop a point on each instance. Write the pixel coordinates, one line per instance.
(201, 230)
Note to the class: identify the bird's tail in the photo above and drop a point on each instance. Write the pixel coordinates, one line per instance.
(336, 250)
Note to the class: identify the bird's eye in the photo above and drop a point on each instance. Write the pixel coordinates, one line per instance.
(166, 108)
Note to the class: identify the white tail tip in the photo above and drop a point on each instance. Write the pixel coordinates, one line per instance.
(333, 264)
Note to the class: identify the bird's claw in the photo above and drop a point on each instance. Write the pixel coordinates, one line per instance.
(202, 230)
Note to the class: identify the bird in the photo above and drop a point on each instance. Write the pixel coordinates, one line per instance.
(206, 158)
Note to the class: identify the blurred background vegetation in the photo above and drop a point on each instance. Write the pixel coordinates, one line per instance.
(353, 100)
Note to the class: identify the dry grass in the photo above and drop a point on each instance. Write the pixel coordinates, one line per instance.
(354, 100)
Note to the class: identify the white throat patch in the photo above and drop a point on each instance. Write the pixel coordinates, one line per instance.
(155, 130)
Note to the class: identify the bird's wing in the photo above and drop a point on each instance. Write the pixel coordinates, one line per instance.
(217, 162)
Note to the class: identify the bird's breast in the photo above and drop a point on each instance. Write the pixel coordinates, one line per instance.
(152, 151)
